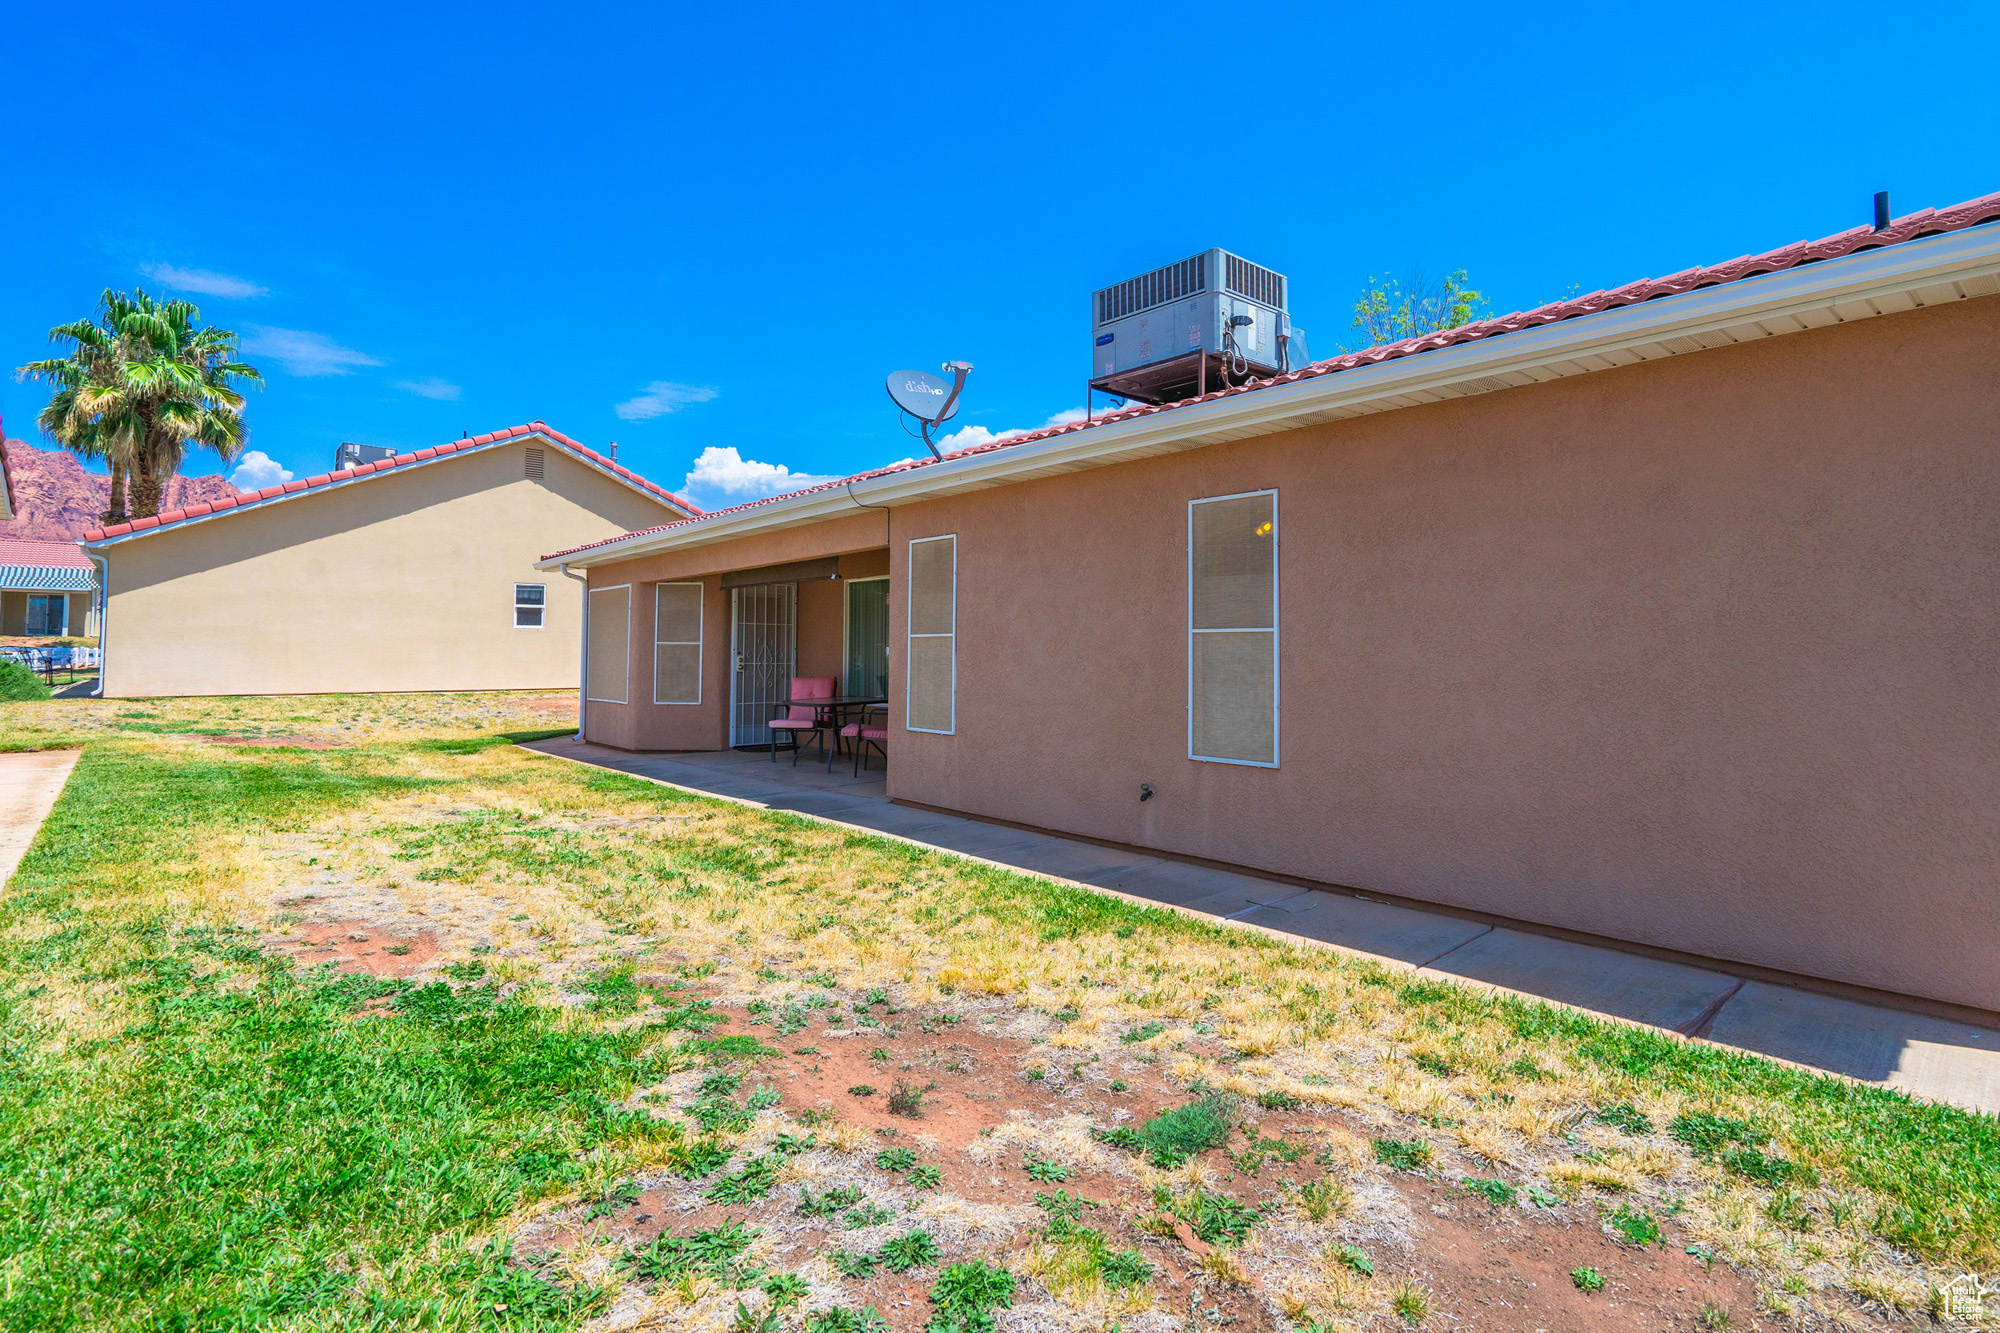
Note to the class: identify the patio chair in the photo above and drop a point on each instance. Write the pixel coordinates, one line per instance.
(873, 730)
(794, 720)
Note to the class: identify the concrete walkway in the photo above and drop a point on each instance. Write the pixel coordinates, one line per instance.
(30, 781)
(1928, 1057)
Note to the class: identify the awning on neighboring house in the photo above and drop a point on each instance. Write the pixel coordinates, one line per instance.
(47, 578)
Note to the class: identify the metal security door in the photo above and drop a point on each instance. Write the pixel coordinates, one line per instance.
(764, 644)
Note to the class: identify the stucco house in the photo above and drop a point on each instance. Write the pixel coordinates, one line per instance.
(1666, 615)
(416, 572)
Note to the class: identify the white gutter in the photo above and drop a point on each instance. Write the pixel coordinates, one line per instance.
(103, 617)
(583, 653)
(1905, 276)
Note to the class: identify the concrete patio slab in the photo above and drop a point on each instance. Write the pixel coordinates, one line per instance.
(1604, 981)
(1364, 926)
(30, 782)
(1930, 1057)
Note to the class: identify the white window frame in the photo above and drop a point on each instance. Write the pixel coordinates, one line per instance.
(542, 606)
(588, 593)
(701, 635)
(847, 620)
(909, 631)
(1277, 676)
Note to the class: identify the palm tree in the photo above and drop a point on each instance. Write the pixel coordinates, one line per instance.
(141, 383)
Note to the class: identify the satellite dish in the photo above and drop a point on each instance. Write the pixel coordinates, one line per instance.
(931, 399)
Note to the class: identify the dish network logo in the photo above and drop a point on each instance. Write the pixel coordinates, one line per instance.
(923, 386)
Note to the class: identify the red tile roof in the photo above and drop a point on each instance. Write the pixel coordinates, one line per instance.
(248, 498)
(1927, 222)
(52, 555)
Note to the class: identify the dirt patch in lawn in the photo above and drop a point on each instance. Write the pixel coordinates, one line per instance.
(1011, 1158)
(357, 946)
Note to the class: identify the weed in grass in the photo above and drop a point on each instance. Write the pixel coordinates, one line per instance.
(1063, 1204)
(1172, 1137)
(1042, 1169)
(1322, 1198)
(718, 1050)
(834, 1201)
(785, 1289)
(620, 1196)
(612, 992)
(698, 1159)
(1587, 1279)
(526, 1299)
(1627, 1117)
(1764, 1168)
(471, 969)
(1713, 1315)
(669, 1258)
(1527, 1071)
(1352, 1257)
(925, 1176)
(862, 1090)
(753, 1182)
(965, 1296)
(1496, 1192)
(838, 1319)
(912, 1249)
(1635, 1226)
(1541, 1198)
(1403, 1154)
(1125, 1268)
(1215, 1218)
(1273, 1099)
(878, 1054)
(1118, 1085)
(788, 1144)
(907, 1099)
(853, 1263)
(749, 1321)
(869, 1214)
(1705, 1133)
(1410, 1301)
(1144, 1032)
(896, 1159)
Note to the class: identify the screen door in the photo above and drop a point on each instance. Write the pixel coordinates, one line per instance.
(764, 642)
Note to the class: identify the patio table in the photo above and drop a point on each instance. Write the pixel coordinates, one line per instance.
(834, 707)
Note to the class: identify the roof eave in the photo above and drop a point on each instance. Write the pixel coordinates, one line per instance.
(1931, 270)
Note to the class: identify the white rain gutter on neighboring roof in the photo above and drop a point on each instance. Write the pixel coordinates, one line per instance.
(1932, 271)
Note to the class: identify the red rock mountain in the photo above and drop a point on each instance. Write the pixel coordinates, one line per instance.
(55, 500)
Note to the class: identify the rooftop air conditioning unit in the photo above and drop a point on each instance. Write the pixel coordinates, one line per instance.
(354, 455)
(1204, 323)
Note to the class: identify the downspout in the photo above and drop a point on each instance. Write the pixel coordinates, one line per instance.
(103, 615)
(583, 650)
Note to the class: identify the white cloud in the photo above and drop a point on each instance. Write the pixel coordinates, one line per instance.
(970, 437)
(256, 469)
(431, 388)
(304, 354)
(723, 475)
(661, 398)
(205, 281)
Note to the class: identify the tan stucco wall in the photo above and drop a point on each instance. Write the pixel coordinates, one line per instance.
(404, 581)
(1699, 654)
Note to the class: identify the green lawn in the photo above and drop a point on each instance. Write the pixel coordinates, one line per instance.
(193, 1134)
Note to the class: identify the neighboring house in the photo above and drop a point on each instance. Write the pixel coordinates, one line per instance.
(46, 588)
(413, 573)
(1668, 615)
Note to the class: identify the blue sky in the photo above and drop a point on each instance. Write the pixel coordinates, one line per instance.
(703, 228)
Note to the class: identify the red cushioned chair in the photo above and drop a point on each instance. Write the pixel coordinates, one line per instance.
(873, 730)
(795, 720)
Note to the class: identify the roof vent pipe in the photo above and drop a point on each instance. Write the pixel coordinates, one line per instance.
(1881, 210)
